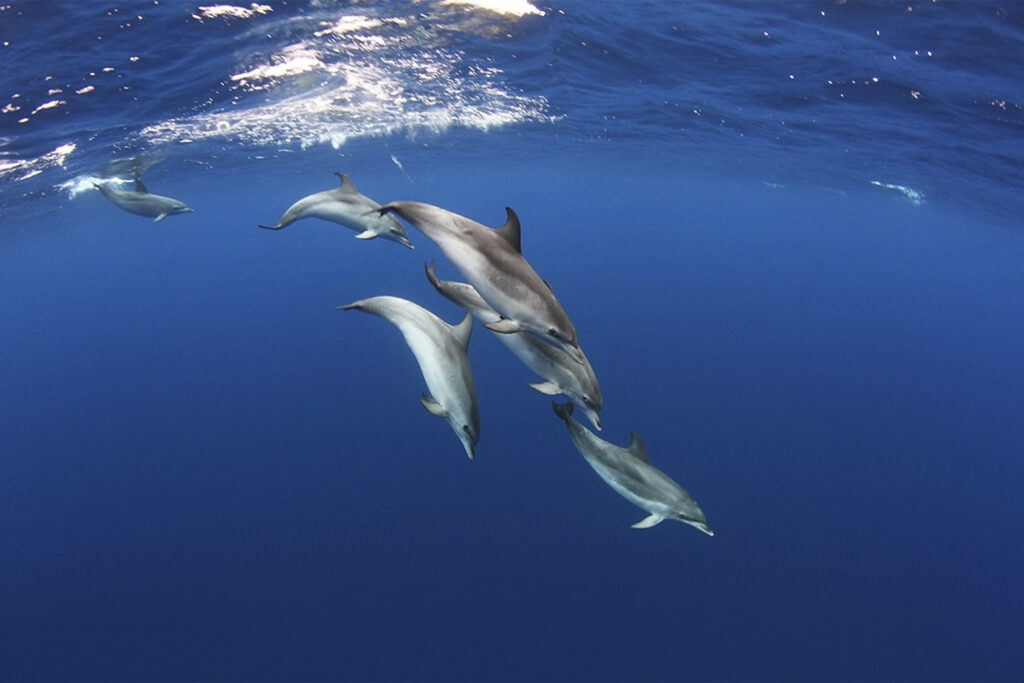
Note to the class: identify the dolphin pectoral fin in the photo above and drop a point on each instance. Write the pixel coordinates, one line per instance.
(546, 388)
(504, 326)
(636, 448)
(648, 522)
(160, 218)
(366, 235)
(271, 227)
(432, 406)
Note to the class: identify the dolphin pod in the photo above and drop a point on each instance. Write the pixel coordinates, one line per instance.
(440, 350)
(630, 473)
(562, 374)
(349, 207)
(139, 201)
(493, 263)
(509, 298)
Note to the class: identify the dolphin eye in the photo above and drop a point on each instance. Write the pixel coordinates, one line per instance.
(554, 333)
(465, 428)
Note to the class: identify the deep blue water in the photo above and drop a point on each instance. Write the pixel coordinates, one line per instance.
(207, 472)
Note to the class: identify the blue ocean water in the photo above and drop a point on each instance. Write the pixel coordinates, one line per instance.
(788, 235)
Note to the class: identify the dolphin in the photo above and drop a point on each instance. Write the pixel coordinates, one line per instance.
(493, 263)
(140, 201)
(347, 206)
(440, 350)
(563, 375)
(628, 471)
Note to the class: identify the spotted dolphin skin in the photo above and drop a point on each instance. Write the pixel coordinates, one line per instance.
(493, 263)
(139, 201)
(440, 350)
(628, 471)
(346, 206)
(562, 374)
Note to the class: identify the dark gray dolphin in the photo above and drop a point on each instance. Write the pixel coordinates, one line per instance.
(563, 375)
(139, 201)
(628, 471)
(440, 350)
(492, 262)
(346, 206)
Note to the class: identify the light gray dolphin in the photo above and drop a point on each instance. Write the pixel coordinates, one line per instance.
(493, 263)
(347, 206)
(563, 375)
(628, 471)
(139, 201)
(440, 350)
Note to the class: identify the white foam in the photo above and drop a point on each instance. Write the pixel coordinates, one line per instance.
(23, 169)
(915, 196)
(214, 11)
(508, 8)
(359, 76)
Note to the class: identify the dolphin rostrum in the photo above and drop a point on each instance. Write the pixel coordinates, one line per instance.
(628, 471)
(493, 263)
(440, 350)
(139, 201)
(347, 206)
(563, 375)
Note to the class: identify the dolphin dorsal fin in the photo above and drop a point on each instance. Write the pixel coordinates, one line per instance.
(463, 330)
(139, 187)
(636, 448)
(346, 182)
(510, 231)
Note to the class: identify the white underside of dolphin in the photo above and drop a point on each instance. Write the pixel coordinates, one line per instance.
(630, 473)
(491, 260)
(440, 351)
(141, 202)
(346, 206)
(562, 374)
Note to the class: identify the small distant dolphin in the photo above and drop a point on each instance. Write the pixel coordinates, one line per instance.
(347, 206)
(440, 350)
(140, 201)
(628, 471)
(493, 263)
(563, 374)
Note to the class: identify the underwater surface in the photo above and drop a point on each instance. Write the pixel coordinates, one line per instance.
(788, 234)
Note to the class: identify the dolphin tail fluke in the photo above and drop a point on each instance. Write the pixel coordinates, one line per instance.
(563, 410)
(272, 227)
(648, 522)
